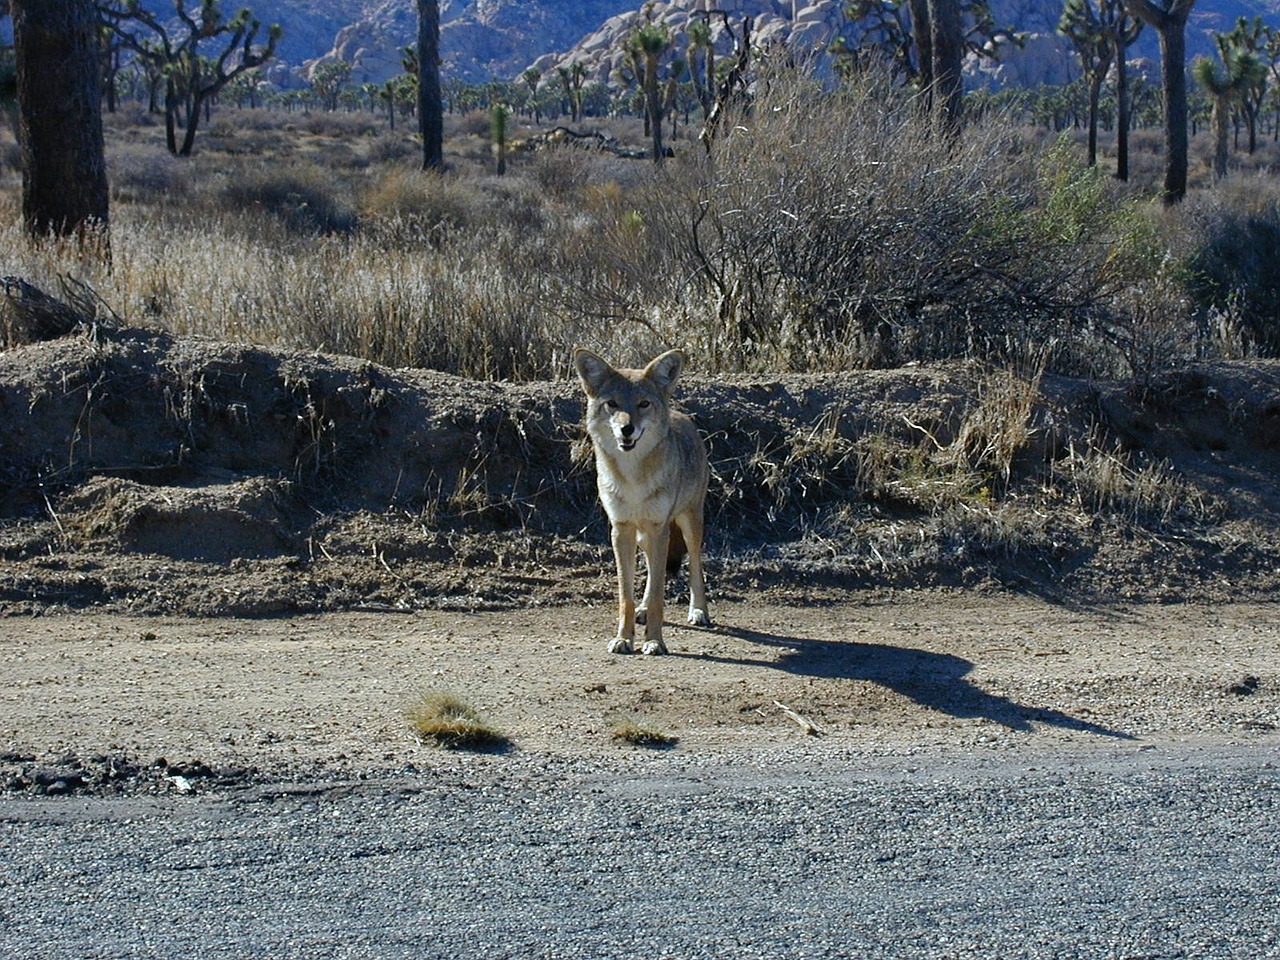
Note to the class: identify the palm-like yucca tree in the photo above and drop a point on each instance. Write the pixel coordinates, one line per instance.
(704, 81)
(1252, 37)
(1226, 83)
(1081, 25)
(650, 42)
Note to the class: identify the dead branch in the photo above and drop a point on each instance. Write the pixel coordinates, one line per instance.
(734, 84)
(808, 726)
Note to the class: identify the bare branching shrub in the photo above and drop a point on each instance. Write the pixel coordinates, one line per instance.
(830, 229)
(827, 230)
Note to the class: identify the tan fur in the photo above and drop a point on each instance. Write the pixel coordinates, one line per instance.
(651, 470)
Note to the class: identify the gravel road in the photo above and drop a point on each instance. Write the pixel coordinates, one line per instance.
(1121, 851)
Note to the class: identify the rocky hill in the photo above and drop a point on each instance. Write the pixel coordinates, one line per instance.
(479, 39)
(487, 39)
(808, 27)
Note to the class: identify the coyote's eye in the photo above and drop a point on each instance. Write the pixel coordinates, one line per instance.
(611, 404)
(643, 404)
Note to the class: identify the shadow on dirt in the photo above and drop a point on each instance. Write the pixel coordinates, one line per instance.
(933, 680)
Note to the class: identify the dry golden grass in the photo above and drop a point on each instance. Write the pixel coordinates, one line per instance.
(636, 734)
(445, 720)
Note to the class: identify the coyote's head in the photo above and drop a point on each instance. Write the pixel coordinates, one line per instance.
(628, 409)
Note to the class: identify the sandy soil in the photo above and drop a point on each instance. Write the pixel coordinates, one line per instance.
(326, 694)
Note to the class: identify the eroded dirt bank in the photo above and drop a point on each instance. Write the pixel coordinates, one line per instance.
(143, 473)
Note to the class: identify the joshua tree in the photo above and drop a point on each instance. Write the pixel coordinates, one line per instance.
(193, 80)
(532, 77)
(499, 118)
(1226, 84)
(698, 34)
(1251, 37)
(1169, 17)
(925, 42)
(572, 78)
(59, 86)
(328, 80)
(1081, 25)
(650, 42)
(1124, 30)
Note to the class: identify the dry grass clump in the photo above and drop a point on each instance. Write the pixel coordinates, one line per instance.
(1108, 481)
(638, 735)
(444, 720)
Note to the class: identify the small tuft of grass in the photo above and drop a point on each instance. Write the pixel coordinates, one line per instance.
(633, 733)
(448, 721)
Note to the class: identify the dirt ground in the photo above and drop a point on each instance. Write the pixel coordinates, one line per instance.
(104, 701)
(221, 562)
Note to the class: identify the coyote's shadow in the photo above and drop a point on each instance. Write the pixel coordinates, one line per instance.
(934, 680)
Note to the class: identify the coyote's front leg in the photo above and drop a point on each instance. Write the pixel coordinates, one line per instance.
(624, 556)
(654, 540)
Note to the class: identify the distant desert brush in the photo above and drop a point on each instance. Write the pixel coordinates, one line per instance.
(448, 721)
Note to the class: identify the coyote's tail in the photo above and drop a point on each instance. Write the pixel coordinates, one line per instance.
(676, 549)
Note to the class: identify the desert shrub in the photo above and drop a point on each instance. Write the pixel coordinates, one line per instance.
(1130, 488)
(637, 734)
(836, 229)
(302, 196)
(391, 147)
(414, 208)
(139, 175)
(1234, 278)
(473, 123)
(341, 124)
(561, 171)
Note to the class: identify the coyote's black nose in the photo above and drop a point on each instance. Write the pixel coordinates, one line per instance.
(628, 429)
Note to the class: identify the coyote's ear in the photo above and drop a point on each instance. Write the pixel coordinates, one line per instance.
(592, 371)
(664, 370)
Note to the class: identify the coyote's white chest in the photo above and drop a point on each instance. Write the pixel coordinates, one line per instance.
(633, 490)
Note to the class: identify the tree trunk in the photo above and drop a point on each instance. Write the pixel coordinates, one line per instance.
(653, 107)
(948, 53)
(1122, 115)
(1173, 77)
(1170, 23)
(171, 117)
(430, 103)
(64, 172)
(1221, 120)
(923, 32)
(1095, 94)
(193, 123)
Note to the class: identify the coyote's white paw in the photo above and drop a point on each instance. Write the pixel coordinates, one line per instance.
(654, 648)
(621, 645)
(699, 617)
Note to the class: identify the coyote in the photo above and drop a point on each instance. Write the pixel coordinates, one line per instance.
(651, 470)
